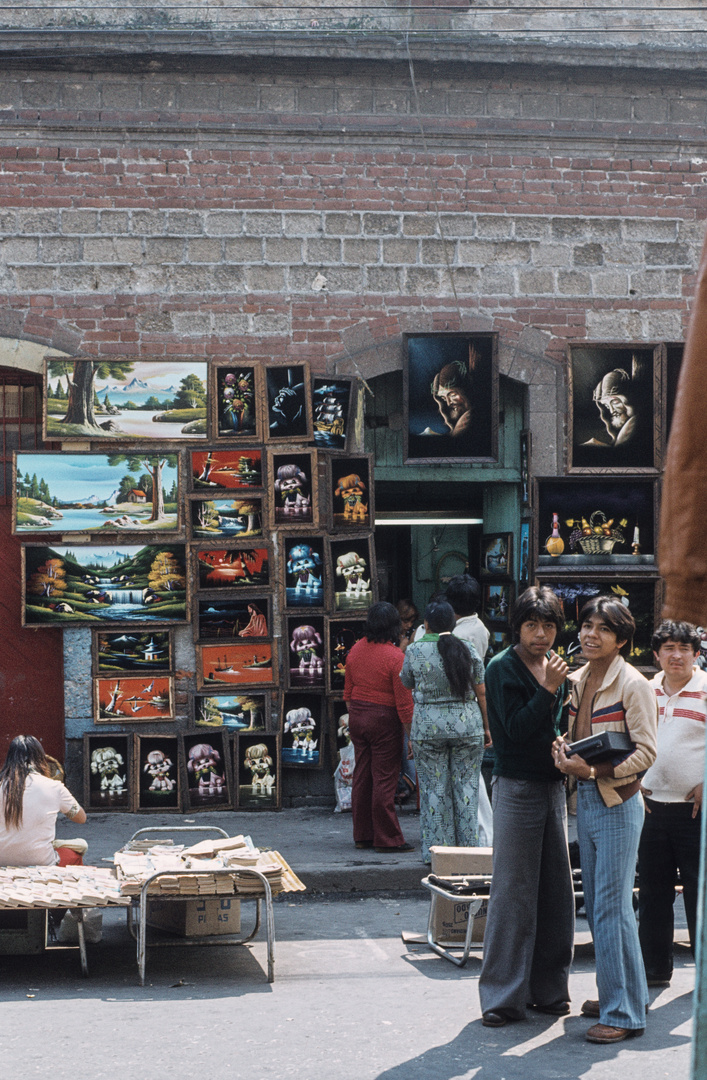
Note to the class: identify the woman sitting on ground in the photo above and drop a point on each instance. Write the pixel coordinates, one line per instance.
(30, 802)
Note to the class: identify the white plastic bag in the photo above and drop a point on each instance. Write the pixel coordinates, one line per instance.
(68, 933)
(343, 778)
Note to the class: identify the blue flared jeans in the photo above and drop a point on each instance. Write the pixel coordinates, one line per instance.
(608, 848)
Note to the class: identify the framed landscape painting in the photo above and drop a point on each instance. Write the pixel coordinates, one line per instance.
(226, 470)
(450, 404)
(236, 665)
(615, 409)
(244, 711)
(133, 699)
(237, 402)
(124, 399)
(132, 651)
(91, 584)
(242, 517)
(233, 568)
(89, 493)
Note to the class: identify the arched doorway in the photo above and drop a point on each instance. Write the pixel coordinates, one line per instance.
(31, 661)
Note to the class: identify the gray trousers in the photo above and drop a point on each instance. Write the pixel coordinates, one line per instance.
(529, 938)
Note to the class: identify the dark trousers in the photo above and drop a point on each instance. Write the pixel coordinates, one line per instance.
(377, 736)
(670, 841)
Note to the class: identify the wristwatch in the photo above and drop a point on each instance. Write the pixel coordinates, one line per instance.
(592, 773)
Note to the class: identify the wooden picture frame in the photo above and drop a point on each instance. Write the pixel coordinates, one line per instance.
(148, 584)
(497, 555)
(303, 727)
(294, 495)
(641, 593)
(287, 403)
(234, 566)
(602, 522)
(245, 711)
(498, 598)
(305, 652)
(217, 471)
(108, 781)
(237, 665)
(615, 408)
(158, 774)
(526, 473)
(342, 633)
(238, 516)
(256, 765)
(525, 556)
(131, 652)
(130, 699)
(237, 400)
(333, 411)
(206, 780)
(239, 618)
(304, 573)
(674, 353)
(450, 398)
(351, 568)
(350, 492)
(179, 389)
(91, 494)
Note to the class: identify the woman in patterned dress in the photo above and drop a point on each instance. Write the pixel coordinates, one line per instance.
(449, 730)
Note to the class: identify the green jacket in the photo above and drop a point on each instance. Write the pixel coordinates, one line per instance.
(524, 719)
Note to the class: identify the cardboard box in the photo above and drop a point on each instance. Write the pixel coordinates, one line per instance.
(23, 931)
(196, 918)
(452, 917)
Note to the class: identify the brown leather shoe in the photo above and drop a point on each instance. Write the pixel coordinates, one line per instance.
(590, 1008)
(604, 1033)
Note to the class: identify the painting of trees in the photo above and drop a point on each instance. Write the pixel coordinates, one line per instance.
(49, 579)
(166, 575)
(191, 393)
(154, 465)
(81, 377)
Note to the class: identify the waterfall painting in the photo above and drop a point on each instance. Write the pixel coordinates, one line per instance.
(125, 399)
(116, 700)
(73, 585)
(89, 493)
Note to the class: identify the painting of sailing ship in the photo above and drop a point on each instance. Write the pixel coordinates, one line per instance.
(86, 493)
(125, 398)
(237, 712)
(212, 470)
(127, 651)
(331, 407)
(229, 620)
(90, 584)
(236, 664)
(133, 699)
(227, 518)
(236, 401)
(233, 568)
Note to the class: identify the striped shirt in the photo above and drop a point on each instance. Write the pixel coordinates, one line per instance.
(680, 763)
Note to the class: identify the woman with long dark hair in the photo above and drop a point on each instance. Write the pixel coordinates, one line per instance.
(446, 676)
(379, 707)
(30, 802)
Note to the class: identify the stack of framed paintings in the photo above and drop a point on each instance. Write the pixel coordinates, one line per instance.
(222, 493)
(497, 587)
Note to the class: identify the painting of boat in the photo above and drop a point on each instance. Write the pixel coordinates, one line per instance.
(226, 469)
(236, 664)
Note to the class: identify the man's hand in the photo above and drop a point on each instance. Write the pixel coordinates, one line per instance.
(695, 794)
(556, 672)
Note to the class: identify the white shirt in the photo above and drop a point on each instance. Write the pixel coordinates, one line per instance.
(471, 628)
(680, 762)
(31, 844)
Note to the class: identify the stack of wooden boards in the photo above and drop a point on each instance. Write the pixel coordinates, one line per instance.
(139, 860)
(59, 887)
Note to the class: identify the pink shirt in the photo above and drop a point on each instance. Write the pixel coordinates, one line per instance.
(373, 674)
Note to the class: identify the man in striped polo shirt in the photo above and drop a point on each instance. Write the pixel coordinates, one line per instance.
(672, 790)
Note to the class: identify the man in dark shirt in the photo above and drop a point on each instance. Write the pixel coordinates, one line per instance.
(529, 935)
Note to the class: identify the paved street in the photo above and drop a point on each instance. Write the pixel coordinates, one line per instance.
(350, 1001)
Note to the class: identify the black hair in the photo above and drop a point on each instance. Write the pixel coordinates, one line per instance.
(537, 602)
(25, 754)
(464, 594)
(616, 616)
(407, 609)
(456, 658)
(675, 630)
(383, 623)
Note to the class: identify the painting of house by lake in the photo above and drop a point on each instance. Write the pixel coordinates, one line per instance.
(86, 493)
(89, 584)
(127, 651)
(125, 398)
